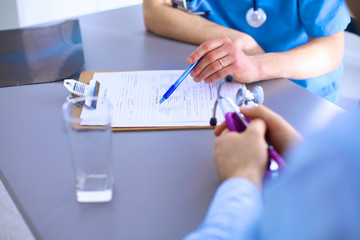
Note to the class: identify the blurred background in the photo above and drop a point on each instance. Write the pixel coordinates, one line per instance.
(23, 13)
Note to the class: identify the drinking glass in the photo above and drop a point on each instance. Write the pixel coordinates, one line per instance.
(89, 138)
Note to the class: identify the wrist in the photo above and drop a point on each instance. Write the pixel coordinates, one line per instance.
(247, 44)
(255, 176)
(267, 66)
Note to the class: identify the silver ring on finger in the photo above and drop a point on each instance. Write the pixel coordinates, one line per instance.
(221, 63)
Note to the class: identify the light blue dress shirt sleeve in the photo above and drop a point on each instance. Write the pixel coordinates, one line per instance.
(318, 197)
(236, 205)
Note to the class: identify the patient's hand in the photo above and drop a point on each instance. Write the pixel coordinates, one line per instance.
(280, 133)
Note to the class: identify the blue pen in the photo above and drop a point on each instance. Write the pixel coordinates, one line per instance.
(177, 83)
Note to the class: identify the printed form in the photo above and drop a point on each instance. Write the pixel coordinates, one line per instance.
(135, 99)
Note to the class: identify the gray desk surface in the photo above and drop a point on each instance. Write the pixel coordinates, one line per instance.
(156, 196)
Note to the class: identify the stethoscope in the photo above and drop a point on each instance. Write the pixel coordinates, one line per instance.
(182, 4)
(237, 122)
(255, 16)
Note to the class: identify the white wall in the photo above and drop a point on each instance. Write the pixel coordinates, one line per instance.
(8, 14)
(39, 11)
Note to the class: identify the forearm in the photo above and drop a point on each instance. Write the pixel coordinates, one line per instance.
(162, 19)
(318, 57)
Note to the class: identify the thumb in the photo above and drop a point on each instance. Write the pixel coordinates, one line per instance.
(257, 126)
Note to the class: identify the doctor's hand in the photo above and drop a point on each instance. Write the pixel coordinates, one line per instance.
(247, 44)
(243, 154)
(281, 134)
(221, 57)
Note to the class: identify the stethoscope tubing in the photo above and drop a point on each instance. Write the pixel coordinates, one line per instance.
(255, 5)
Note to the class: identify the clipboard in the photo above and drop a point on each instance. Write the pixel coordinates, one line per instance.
(86, 76)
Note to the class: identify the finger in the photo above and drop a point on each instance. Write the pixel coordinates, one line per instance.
(272, 119)
(231, 64)
(211, 69)
(225, 131)
(206, 69)
(216, 70)
(205, 48)
(219, 74)
(281, 133)
(219, 129)
(257, 126)
(212, 62)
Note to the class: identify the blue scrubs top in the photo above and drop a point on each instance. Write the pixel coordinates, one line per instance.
(289, 24)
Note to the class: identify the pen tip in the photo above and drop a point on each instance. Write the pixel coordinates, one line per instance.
(162, 100)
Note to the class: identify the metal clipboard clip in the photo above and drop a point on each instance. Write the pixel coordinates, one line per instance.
(83, 90)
